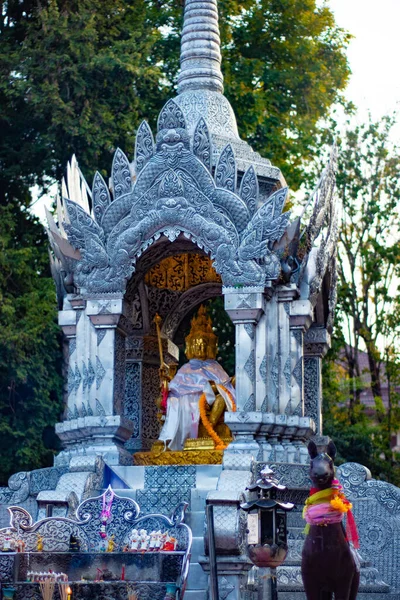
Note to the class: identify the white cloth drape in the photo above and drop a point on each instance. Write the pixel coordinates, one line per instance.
(185, 389)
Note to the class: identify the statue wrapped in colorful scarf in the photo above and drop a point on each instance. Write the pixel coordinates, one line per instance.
(201, 390)
(329, 564)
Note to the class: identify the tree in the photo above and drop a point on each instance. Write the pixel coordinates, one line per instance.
(75, 78)
(79, 77)
(30, 353)
(368, 185)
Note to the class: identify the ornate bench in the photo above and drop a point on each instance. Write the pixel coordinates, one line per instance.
(147, 573)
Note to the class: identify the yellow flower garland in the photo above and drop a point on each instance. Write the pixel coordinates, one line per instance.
(338, 503)
(219, 444)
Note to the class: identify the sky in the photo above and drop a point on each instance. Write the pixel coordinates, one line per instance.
(373, 55)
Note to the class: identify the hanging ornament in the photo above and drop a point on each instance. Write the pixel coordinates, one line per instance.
(105, 514)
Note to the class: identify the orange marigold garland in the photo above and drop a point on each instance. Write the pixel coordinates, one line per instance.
(219, 444)
(339, 502)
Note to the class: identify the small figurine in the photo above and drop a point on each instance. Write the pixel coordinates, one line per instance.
(103, 547)
(152, 541)
(134, 541)
(20, 546)
(102, 532)
(8, 542)
(170, 544)
(144, 540)
(39, 543)
(111, 544)
(108, 575)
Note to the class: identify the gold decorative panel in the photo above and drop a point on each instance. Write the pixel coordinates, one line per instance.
(180, 457)
(182, 272)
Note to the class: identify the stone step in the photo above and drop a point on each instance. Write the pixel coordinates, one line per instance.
(197, 547)
(188, 476)
(197, 594)
(195, 520)
(282, 595)
(197, 578)
(198, 499)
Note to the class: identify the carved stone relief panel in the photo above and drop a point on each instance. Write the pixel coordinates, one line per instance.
(133, 402)
(150, 391)
(312, 390)
(119, 373)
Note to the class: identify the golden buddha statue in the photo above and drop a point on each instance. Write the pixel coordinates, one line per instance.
(199, 393)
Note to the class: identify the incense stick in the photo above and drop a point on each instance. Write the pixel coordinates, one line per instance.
(47, 589)
(63, 590)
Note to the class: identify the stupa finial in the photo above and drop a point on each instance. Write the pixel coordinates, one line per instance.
(200, 48)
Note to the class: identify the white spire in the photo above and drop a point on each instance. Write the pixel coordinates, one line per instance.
(200, 48)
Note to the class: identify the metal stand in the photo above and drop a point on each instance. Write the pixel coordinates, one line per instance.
(268, 587)
(214, 593)
(274, 584)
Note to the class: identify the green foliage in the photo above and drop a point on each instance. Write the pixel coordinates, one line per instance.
(225, 330)
(30, 382)
(368, 185)
(75, 79)
(362, 441)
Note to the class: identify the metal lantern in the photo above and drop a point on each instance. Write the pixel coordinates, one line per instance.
(266, 525)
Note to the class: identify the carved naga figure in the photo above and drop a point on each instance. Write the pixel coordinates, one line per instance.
(201, 390)
(329, 564)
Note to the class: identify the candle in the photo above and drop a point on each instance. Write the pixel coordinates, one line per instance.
(69, 593)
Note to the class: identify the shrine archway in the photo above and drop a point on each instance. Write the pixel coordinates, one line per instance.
(171, 279)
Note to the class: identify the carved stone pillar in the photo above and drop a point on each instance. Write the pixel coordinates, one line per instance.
(245, 307)
(95, 423)
(316, 344)
(263, 362)
(67, 319)
(300, 320)
(283, 403)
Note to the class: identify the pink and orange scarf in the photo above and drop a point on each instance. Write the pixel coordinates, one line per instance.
(324, 507)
